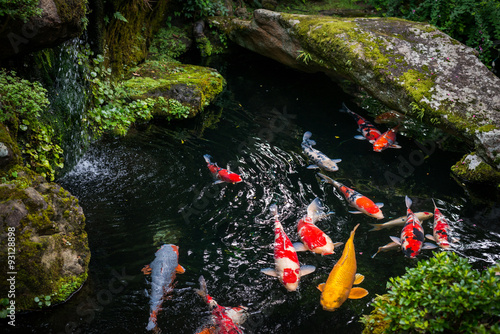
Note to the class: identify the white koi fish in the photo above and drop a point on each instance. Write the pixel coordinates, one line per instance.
(320, 159)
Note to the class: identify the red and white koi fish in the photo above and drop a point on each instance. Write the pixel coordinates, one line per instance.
(162, 270)
(314, 239)
(319, 158)
(400, 221)
(367, 129)
(441, 229)
(356, 200)
(287, 267)
(221, 174)
(386, 140)
(225, 320)
(412, 235)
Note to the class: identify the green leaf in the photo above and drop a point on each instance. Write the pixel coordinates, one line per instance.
(120, 17)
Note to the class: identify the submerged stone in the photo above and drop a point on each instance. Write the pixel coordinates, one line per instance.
(473, 169)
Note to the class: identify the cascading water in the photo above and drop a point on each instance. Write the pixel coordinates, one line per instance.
(68, 91)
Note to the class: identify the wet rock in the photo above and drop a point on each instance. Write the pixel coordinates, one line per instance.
(60, 21)
(51, 246)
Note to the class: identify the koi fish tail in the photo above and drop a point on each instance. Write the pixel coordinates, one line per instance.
(274, 211)
(152, 321)
(203, 292)
(344, 108)
(306, 140)
(408, 202)
(435, 206)
(208, 158)
(328, 179)
(315, 210)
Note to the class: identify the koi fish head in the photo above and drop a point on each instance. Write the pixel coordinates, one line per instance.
(331, 301)
(234, 178)
(381, 144)
(237, 314)
(371, 208)
(291, 278)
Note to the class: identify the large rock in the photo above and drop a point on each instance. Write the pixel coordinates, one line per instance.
(179, 90)
(60, 20)
(411, 67)
(42, 232)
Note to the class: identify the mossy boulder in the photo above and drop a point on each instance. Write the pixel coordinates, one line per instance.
(411, 67)
(473, 168)
(180, 90)
(9, 152)
(60, 21)
(47, 240)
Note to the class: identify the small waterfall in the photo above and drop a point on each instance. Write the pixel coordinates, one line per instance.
(68, 89)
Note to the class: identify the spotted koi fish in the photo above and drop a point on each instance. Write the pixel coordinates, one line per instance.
(162, 270)
(441, 229)
(412, 235)
(286, 262)
(356, 200)
(367, 129)
(314, 239)
(319, 158)
(221, 174)
(225, 320)
(386, 140)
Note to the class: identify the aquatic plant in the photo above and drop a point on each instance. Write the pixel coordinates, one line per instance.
(443, 293)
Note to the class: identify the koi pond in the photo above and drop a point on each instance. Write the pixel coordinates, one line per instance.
(153, 187)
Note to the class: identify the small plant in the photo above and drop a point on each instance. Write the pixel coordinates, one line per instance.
(442, 294)
(20, 9)
(304, 56)
(43, 301)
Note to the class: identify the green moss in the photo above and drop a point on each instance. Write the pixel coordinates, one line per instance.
(417, 84)
(482, 173)
(486, 128)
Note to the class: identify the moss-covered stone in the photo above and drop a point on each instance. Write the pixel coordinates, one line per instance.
(50, 251)
(180, 90)
(473, 169)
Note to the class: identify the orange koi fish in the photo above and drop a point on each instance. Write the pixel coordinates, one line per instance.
(287, 267)
(162, 270)
(338, 287)
(356, 200)
(386, 140)
(313, 239)
(441, 229)
(367, 129)
(225, 320)
(221, 174)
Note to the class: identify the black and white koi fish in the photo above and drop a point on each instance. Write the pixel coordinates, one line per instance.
(320, 159)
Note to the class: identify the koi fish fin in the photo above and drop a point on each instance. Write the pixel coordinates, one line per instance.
(218, 181)
(355, 212)
(315, 210)
(208, 158)
(408, 201)
(380, 205)
(306, 270)
(453, 239)
(336, 160)
(395, 240)
(337, 244)
(428, 245)
(357, 293)
(306, 135)
(180, 269)
(146, 270)
(376, 227)
(358, 279)
(359, 137)
(321, 287)
(269, 272)
(312, 167)
(395, 146)
(430, 237)
(344, 108)
(385, 248)
(326, 178)
(300, 247)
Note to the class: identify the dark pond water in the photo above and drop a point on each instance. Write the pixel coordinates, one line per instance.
(153, 187)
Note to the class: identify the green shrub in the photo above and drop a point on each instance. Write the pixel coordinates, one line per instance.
(475, 23)
(20, 9)
(442, 294)
(23, 105)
